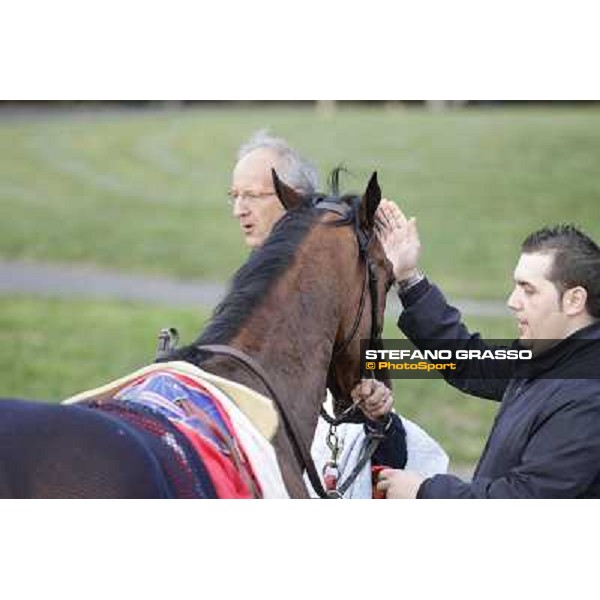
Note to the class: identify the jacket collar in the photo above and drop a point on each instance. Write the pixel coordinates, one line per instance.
(575, 357)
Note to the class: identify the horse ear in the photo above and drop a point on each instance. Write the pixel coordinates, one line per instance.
(288, 196)
(369, 203)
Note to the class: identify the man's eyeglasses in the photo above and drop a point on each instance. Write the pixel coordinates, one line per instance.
(250, 197)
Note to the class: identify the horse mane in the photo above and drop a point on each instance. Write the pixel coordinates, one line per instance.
(257, 275)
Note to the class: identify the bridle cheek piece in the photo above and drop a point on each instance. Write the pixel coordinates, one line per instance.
(370, 285)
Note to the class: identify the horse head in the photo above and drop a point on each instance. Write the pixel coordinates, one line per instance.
(365, 277)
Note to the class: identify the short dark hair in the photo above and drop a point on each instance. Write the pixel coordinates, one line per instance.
(576, 260)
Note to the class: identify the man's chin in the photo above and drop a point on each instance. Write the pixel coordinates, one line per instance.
(536, 346)
(251, 241)
(526, 342)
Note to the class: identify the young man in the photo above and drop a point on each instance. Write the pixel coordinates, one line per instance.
(545, 441)
(257, 208)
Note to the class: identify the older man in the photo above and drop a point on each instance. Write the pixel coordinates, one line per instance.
(545, 442)
(252, 196)
(257, 208)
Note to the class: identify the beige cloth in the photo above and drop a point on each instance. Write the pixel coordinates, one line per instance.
(257, 408)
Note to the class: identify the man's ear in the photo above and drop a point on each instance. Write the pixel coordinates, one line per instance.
(288, 196)
(574, 300)
(369, 203)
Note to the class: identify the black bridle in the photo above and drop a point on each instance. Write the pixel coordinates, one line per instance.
(376, 432)
(370, 280)
(369, 286)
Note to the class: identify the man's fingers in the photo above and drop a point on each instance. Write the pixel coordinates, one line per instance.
(392, 227)
(362, 390)
(412, 229)
(384, 479)
(389, 215)
(374, 398)
(398, 215)
(383, 485)
(381, 395)
(379, 402)
(392, 212)
(377, 409)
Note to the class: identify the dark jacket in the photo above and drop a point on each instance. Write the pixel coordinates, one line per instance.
(545, 441)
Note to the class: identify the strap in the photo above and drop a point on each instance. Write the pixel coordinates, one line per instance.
(232, 449)
(331, 204)
(357, 318)
(345, 417)
(291, 425)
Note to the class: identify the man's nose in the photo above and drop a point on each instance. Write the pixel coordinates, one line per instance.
(240, 208)
(513, 302)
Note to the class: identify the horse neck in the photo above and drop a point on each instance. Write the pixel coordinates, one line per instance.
(292, 333)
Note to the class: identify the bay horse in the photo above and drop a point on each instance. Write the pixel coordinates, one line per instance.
(289, 327)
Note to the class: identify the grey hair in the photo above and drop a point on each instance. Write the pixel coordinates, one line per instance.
(296, 171)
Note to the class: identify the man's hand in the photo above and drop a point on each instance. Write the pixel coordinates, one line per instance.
(399, 238)
(395, 483)
(373, 398)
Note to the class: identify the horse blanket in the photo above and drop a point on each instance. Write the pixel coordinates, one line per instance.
(228, 425)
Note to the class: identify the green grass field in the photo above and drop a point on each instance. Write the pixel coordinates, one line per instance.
(146, 192)
(50, 349)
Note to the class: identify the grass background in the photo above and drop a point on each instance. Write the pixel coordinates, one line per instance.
(145, 192)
